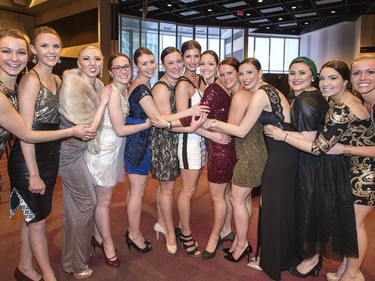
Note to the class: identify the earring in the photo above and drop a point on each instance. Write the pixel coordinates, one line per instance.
(35, 59)
(101, 73)
(59, 61)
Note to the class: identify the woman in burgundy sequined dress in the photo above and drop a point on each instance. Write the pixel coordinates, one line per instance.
(221, 157)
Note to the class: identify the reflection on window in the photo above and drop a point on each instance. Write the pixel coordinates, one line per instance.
(291, 52)
(238, 44)
(149, 39)
(262, 47)
(276, 55)
(226, 43)
(184, 33)
(201, 36)
(214, 40)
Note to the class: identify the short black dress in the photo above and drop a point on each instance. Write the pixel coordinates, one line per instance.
(322, 218)
(36, 207)
(164, 158)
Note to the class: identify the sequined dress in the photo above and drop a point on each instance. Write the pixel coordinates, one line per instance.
(4, 134)
(221, 157)
(137, 155)
(277, 230)
(164, 159)
(106, 167)
(343, 126)
(36, 207)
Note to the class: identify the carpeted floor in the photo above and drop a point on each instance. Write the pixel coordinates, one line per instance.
(157, 264)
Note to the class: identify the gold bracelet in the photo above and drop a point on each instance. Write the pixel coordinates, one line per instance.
(347, 149)
(285, 137)
(213, 124)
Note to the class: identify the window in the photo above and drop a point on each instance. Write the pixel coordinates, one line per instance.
(274, 52)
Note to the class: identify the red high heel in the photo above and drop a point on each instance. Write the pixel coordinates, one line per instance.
(113, 261)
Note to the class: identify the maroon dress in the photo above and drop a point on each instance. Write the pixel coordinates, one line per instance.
(221, 157)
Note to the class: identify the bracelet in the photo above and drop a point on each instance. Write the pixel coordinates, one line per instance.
(213, 124)
(347, 149)
(169, 126)
(286, 137)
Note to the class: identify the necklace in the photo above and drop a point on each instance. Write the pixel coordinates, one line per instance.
(169, 82)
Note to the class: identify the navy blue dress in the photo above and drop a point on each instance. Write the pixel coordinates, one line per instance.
(137, 155)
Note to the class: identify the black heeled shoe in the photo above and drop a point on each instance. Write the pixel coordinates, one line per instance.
(131, 243)
(313, 272)
(188, 242)
(20, 276)
(113, 261)
(245, 253)
(229, 237)
(208, 255)
(226, 250)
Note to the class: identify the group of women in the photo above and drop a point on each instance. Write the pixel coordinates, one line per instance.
(312, 194)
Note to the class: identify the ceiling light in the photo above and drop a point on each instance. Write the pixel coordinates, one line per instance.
(259, 21)
(306, 23)
(260, 1)
(225, 17)
(268, 27)
(280, 18)
(209, 10)
(235, 4)
(36, 2)
(333, 12)
(287, 24)
(271, 10)
(189, 13)
(248, 14)
(303, 15)
(294, 7)
(169, 4)
(151, 8)
(323, 2)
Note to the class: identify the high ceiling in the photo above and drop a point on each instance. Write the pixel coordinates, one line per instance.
(291, 17)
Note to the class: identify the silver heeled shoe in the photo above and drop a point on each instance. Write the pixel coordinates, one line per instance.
(159, 229)
(254, 263)
(87, 272)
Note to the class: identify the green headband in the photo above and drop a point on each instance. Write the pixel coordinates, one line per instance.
(309, 62)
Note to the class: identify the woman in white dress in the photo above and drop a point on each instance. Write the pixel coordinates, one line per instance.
(106, 167)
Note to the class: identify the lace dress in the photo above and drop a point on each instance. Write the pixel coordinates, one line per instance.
(164, 159)
(106, 167)
(137, 155)
(36, 207)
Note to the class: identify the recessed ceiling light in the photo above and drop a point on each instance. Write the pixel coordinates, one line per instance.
(288, 24)
(271, 10)
(323, 2)
(268, 27)
(306, 23)
(260, 1)
(280, 18)
(151, 8)
(294, 7)
(169, 5)
(303, 15)
(235, 4)
(209, 10)
(189, 13)
(259, 21)
(248, 14)
(333, 12)
(225, 17)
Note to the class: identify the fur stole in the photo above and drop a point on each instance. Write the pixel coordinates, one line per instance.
(78, 99)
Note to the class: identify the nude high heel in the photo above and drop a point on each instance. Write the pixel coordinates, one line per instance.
(159, 229)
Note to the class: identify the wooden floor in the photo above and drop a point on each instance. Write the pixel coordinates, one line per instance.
(158, 264)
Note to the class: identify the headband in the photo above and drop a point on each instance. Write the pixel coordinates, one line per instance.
(307, 61)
